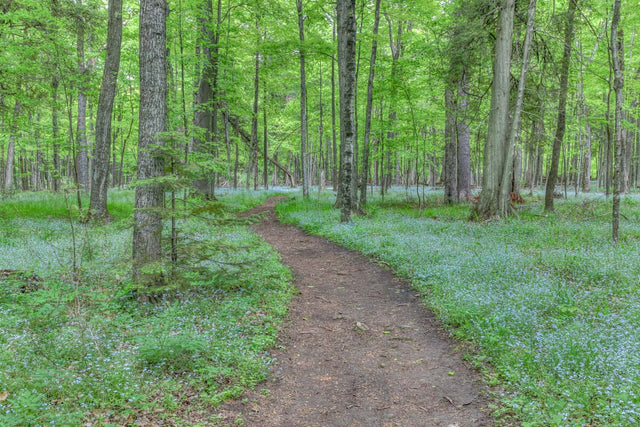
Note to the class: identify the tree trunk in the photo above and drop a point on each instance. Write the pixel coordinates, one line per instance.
(81, 131)
(347, 82)
(562, 107)
(303, 106)
(100, 178)
(450, 151)
(254, 118)
(463, 137)
(11, 149)
(584, 112)
(617, 55)
(265, 161)
(508, 170)
(498, 130)
(55, 131)
(147, 231)
(334, 144)
(396, 51)
(367, 123)
(207, 108)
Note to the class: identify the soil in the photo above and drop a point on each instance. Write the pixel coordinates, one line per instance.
(358, 348)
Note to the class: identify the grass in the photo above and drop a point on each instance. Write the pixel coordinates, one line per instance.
(548, 302)
(77, 349)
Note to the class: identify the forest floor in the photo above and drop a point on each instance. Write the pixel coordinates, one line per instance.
(358, 348)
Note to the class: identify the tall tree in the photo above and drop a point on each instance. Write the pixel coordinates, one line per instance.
(82, 164)
(253, 162)
(617, 56)
(509, 171)
(367, 122)
(206, 99)
(463, 136)
(303, 106)
(147, 231)
(450, 150)
(347, 84)
(562, 107)
(11, 149)
(100, 171)
(498, 131)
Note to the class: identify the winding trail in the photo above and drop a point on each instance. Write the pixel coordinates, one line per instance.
(358, 348)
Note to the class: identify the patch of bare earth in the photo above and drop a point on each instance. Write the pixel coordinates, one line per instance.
(358, 349)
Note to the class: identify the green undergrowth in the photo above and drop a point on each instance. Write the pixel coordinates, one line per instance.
(76, 348)
(550, 305)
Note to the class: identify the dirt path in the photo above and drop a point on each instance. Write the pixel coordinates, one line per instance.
(358, 349)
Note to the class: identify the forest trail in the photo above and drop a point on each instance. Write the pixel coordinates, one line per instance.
(358, 348)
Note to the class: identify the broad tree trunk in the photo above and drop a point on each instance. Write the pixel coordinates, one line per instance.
(367, 123)
(207, 103)
(562, 107)
(147, 229)
(347, 82)
(202, 143)
(100, 178)
(509, 171)
(498, 130)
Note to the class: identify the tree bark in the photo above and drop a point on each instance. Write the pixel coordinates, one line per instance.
(450, 151)
(100, 178)
(562, 107)
(584, 112)
(81, 131)
(463, 137)
(334, 140)
(347, 83)
(147, 231)
(11, 149)
(617, 55)
(497, 135)
(303, 106)
(254, 118)
(508, 169)
(265, 171)
(55, 130)
(207, 108)
(367, 123)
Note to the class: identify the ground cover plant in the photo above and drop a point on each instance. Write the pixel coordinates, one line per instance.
(76, 346)
(549, 304)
